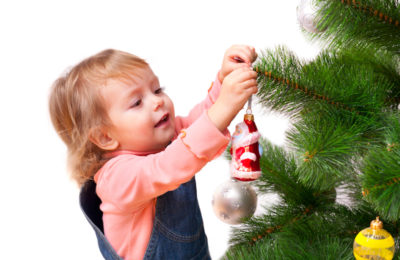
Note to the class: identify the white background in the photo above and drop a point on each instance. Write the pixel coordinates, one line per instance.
(184, 42)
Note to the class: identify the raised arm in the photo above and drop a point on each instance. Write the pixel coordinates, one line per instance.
(141, 178)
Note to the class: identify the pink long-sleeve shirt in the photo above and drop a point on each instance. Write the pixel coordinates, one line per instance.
(129, 183)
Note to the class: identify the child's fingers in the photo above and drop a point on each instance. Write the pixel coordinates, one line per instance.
(250, 85)
(240, 56)
(246, 81)
(247, 74)
(244, 54)
(252, 55)
(253, 89)
(242, 74)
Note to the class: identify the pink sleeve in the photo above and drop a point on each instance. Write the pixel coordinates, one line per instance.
(213, 93)
(129, 181)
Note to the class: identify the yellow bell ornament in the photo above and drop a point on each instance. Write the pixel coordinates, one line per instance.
(374, 243)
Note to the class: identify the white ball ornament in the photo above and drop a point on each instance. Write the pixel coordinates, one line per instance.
(234, 201)
(306, 13)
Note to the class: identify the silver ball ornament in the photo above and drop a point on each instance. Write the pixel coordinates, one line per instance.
(306, 13)
(234, 201)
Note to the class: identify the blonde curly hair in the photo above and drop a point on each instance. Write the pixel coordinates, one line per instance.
(76, 106)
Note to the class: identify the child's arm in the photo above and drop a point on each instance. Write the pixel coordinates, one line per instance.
(129, 181)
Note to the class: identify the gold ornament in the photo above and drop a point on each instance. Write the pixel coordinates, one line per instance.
(373, 243)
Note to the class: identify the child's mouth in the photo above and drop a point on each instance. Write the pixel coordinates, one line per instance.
(163, 121)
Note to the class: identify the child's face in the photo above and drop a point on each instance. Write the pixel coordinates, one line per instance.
(142, 115)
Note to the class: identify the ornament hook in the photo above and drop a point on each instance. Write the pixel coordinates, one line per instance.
(248, 110)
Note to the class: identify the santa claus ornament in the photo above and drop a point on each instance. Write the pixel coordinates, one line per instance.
(235, 200)
(245, 150)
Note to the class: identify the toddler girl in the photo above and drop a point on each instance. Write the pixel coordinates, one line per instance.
(121, 131)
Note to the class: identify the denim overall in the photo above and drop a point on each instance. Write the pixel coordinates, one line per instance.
(178, 231)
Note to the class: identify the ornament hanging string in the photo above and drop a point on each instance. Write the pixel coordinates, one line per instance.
(248, 110)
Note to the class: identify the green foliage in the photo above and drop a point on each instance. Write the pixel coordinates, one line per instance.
(324, 151)
(366, 24)
(273, 94)
(279, 169)
(324, 233)
(322, 247)
(381, 178)
(332, 82)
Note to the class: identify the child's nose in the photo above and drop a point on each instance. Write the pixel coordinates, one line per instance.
(158, 102)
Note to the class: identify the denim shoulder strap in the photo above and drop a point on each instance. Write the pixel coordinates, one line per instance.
(90, 205)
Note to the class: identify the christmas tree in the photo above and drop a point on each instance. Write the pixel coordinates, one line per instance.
(344, 138)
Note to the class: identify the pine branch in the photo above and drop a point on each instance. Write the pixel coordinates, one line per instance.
(361, 23)
(288, 233)
(322, 247)
(325, 152)
(392, 136)
(381, 182)
(268, 225)
(278, 169)
(384, 65)
(279, 176)
(289, 85)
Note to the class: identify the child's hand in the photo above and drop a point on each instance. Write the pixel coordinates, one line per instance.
(236, 89)
(235, 57)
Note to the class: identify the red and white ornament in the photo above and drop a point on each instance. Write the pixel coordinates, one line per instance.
(245, 150)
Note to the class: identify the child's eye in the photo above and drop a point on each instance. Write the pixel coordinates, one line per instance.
(136, 103)
(159, 90)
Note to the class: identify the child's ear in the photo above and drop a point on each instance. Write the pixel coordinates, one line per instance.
(102, 139)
